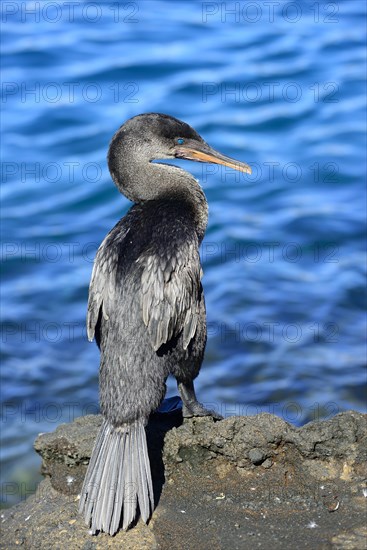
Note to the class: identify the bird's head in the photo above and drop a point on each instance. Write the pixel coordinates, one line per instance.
(154, 136)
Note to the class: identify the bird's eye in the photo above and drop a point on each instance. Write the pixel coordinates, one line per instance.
(180, 141)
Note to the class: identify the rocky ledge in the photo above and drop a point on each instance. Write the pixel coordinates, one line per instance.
(243, 482)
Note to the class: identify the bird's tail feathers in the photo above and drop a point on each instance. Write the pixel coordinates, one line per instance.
(118, 479)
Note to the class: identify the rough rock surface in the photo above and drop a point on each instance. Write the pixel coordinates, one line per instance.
(243, 482)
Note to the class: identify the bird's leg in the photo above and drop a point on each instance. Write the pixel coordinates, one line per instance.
(190, 405)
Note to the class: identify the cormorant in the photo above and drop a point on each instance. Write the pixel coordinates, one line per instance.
(146, 309)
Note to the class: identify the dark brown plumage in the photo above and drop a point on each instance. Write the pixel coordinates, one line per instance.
(146, 309)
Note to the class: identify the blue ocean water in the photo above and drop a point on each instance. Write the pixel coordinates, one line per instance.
(280, 85)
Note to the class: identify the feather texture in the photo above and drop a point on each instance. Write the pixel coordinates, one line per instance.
(118, 479)
(170, 294)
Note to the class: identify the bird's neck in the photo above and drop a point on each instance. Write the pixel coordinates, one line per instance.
(158, 181)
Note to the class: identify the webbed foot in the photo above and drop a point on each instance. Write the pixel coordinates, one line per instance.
(191, 406)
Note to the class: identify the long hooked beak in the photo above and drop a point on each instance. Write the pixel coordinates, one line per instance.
(202, 152)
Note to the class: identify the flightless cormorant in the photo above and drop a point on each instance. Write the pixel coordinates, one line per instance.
(146, 309)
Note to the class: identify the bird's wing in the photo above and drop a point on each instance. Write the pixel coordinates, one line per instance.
(103, 281)
(171, 294)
